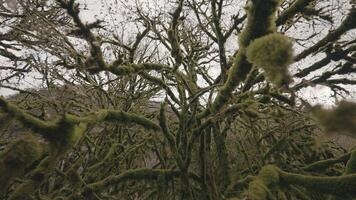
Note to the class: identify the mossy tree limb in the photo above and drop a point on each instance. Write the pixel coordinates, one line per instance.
(173, 36)
(136, 174)
(260, 22)
(323, 164)
(269, 176)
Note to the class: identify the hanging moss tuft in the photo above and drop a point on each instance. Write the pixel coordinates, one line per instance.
(18, 156)
(273, 53)
(339, 120)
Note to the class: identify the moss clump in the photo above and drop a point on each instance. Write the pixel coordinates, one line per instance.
(18, 156)
(76, 134)
(257, 190)
(339, 120)
(65, 134)
(269, 175)
(273, 53)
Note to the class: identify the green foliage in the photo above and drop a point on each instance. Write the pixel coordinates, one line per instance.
(273, 53)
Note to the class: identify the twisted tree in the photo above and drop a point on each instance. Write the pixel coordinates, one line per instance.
(189, 99)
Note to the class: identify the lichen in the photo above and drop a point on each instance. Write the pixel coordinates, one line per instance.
(273, 53)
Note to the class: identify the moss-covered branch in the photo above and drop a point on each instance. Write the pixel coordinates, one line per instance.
(270, 176)
(119, 69)
(339, 185)
(173, 36)
(260, 22)
(27, 119)
(138, 175)
(47, 128)
(323, 164)
(115, 116)
(168, 135)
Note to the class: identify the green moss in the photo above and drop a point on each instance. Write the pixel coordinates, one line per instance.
(37, 125)
(336, 185)
(269, 175)
(76, 134)
(260, 21)
(270, 51)
(273, 53)
(261, 16)
(257, 190)
(18, 156)
(65, 134)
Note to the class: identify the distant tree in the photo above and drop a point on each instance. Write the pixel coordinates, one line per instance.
(190, 99)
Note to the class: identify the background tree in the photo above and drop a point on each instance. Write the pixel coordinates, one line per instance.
(190, 100)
